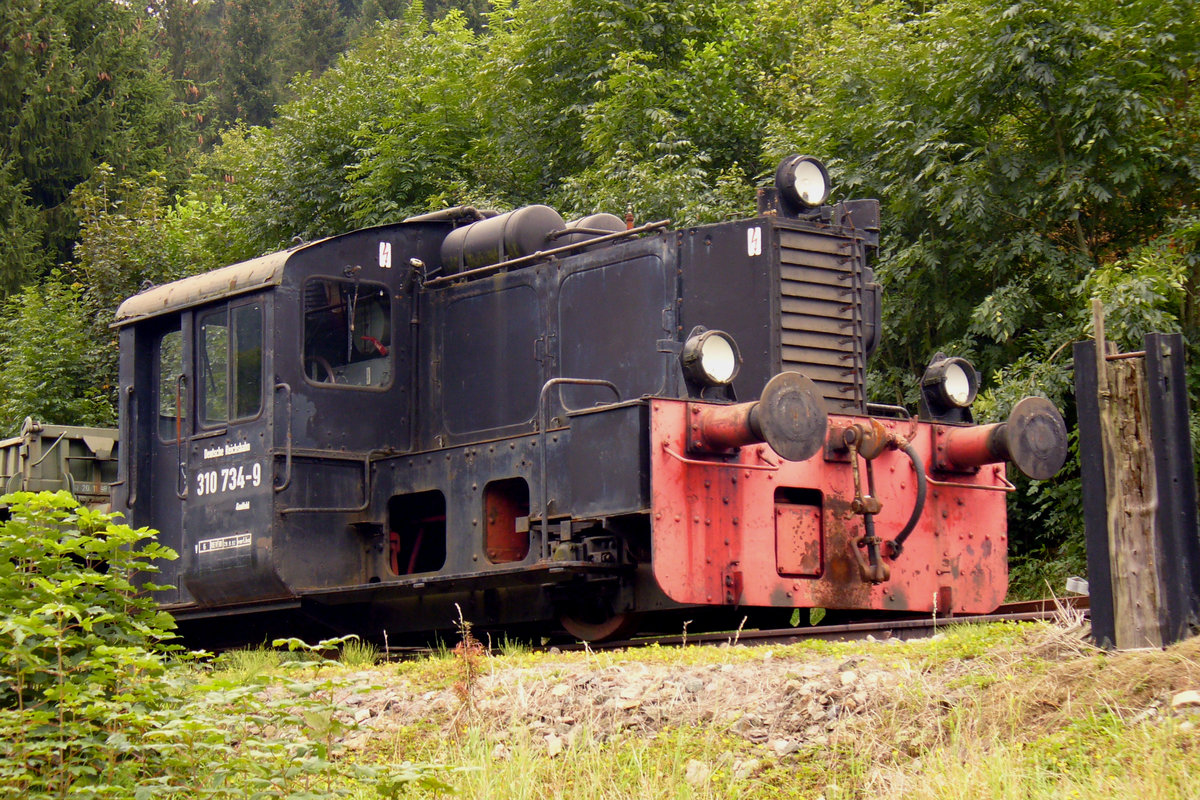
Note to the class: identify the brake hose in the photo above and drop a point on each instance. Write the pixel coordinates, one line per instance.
(897, 544)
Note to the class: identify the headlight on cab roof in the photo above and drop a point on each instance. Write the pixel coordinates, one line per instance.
(802, 181)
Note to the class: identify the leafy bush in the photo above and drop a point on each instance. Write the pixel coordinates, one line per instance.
(81, 651)
(93, 705)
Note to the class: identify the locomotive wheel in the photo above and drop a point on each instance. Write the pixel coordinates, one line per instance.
(597, 627)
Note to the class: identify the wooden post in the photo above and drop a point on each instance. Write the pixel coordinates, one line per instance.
(1132, 494)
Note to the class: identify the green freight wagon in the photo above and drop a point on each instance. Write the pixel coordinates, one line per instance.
(83, 461)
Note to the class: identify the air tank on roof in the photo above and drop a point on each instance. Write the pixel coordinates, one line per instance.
(592, 226)
(500, 238)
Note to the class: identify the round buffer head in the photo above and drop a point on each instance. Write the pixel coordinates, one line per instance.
(791, 416)
(1037, 438)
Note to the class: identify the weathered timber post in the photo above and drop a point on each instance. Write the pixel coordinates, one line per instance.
(1139, 490)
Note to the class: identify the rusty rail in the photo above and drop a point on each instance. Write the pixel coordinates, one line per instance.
(904, 629)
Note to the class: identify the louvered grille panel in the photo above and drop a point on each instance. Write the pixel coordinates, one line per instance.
(820, 280)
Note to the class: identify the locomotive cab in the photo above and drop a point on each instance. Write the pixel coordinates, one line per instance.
(233, 384)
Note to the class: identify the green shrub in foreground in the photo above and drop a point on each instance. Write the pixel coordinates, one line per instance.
(94, 703)
(82, 672)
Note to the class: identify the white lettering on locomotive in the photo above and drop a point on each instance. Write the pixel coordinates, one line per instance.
(234, 542)
(232, 449)
(228, 479)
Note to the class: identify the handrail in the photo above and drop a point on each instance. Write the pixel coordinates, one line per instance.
(544, 423)
(1007, 485)
(540, 254)
(131, 408)
(287, 457)
(180, 456)
(695, 462)
(366, 501)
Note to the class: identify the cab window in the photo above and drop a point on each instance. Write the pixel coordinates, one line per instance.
(347, 333)
(172, 408)
(229, 364)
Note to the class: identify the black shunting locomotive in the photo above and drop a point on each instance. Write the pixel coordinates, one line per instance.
(592, 425)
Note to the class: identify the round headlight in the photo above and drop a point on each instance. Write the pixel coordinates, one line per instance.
(803, 181)
(711, 358)
(958, 385)
(953, 381)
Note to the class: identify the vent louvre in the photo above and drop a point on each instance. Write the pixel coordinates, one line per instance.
(821, 315)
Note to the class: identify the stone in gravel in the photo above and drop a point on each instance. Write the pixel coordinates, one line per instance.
(694, 685)
(848, 677)
(1185, 699)
(362, 714)
(783, 747)
(697, 772)
(745, 769)
(554, 745)
(500, 752)
(561, 689)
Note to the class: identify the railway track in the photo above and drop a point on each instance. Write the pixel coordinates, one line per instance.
(917, 628)
(902, 629)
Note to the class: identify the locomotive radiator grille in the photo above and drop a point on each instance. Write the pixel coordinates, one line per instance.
(820, 314)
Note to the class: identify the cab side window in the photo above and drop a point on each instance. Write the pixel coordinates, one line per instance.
(229, 364)
(246, 371)
(347, 333)
(172, 406)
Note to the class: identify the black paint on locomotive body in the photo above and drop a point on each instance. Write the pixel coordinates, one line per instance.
(349, 431)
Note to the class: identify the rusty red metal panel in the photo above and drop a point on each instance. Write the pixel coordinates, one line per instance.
(716, 539)
(505, 502)
(799, 540)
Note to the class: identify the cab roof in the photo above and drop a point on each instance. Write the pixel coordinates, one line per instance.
(236, 279)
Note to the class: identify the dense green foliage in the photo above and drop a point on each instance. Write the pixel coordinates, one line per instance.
(79, 649)
(1028, 156)
(79, 83)
(50, 366)
(93, 705)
